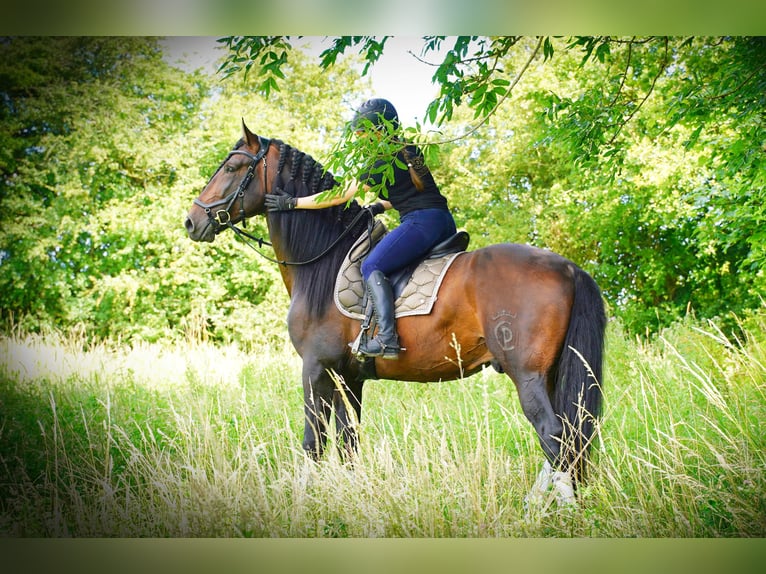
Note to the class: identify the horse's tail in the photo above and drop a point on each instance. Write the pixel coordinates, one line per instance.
(577, 392)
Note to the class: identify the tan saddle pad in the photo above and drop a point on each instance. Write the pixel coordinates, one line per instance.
(417, 297)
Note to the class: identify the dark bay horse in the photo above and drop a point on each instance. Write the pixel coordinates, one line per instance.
(532, 314)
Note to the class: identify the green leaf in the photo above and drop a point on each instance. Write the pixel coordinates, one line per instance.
(547, 49)
(689, 144)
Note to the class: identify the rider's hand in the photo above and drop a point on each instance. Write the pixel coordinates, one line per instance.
(376, 208)
(280, 201)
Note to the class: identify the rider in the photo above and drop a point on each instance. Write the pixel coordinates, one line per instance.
(425, 219)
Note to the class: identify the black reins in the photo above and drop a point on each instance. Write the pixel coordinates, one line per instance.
(220, 218)
(244, 235)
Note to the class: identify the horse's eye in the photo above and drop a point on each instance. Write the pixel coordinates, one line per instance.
(229, 169)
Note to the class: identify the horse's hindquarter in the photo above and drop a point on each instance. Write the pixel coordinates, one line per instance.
(525, 301)
(509, 302)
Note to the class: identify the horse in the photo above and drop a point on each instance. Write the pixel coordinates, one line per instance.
(530, 313)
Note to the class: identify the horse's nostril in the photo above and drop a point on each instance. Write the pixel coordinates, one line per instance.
(189, 225)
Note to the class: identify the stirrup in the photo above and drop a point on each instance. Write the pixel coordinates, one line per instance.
(385, 352)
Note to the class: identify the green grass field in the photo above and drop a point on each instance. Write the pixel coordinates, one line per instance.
(156, 441)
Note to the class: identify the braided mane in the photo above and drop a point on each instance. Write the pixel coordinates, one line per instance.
(307, 233)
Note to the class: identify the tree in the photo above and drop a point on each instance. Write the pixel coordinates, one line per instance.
(611, 112)
(666, 134)
(105, 146)
(639, 158)
(84, 121)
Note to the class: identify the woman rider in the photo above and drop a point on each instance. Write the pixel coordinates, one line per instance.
(425, 220)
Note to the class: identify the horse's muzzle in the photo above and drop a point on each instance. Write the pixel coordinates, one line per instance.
(199, 231)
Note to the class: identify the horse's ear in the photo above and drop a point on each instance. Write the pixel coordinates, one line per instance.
(250, 137)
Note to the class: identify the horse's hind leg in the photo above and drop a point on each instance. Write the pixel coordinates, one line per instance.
(537, 407)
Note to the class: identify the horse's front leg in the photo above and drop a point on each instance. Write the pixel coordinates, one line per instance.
(348, 413)
(318, 394)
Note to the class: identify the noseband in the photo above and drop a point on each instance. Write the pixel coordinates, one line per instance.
(220, 218)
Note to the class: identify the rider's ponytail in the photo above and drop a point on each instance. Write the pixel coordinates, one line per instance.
(417, 168)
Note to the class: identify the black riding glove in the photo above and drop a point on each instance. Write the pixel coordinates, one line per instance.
(376, 208)
(280, 201)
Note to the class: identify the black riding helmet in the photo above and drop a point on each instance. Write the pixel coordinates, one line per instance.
(373, 110)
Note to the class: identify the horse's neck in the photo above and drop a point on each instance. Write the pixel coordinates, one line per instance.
(300, 240)
(298, 234)
(303, 235)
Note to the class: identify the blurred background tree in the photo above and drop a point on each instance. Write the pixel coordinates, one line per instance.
(641, 159)
(104, 147)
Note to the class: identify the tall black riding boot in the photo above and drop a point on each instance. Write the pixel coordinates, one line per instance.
(386, 342)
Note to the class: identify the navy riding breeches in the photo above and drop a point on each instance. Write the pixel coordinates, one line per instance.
(416, 234)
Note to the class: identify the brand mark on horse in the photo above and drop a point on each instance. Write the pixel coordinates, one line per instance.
(503, 331)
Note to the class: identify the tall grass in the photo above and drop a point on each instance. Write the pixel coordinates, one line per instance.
(204, 441)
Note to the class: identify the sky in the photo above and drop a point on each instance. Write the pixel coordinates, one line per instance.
(397, 76)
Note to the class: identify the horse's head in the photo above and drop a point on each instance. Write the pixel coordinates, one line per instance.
(235, 192)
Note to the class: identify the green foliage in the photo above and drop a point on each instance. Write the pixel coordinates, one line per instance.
(639, 158)
(667, 137)
(86, 137)
(371, 49)
(622, 154)
(269, 51)
(106, 146)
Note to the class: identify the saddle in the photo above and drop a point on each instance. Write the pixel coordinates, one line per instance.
(415, 287)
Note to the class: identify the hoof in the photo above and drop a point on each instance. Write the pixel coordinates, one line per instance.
(550, 485)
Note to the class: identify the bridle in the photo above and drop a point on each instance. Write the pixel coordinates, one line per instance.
(220, 218)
